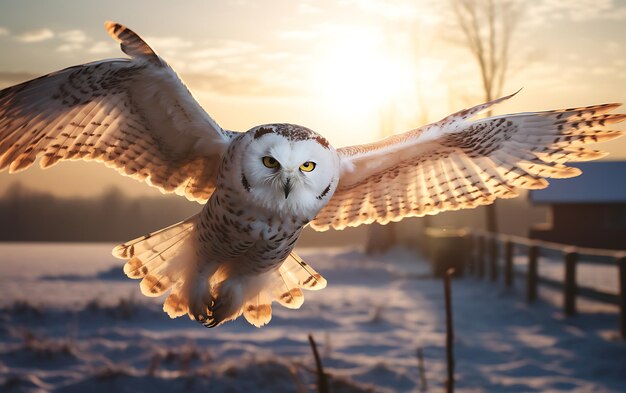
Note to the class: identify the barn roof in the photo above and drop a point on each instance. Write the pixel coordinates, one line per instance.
(600, 182)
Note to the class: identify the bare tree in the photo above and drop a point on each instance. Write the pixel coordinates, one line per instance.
(487, 27)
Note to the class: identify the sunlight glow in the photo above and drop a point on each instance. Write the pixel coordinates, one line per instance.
(361, 77)
(382, 79)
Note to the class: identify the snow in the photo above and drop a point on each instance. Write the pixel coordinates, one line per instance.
(70, 322)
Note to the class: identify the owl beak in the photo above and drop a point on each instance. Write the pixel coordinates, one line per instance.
(287, 187)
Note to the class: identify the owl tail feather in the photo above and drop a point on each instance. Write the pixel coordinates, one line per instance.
(160, 259)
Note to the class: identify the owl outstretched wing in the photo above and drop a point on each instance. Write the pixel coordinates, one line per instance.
(460, 163)
(134, 115)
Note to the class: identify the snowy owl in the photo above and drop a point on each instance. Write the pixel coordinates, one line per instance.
(263, 186)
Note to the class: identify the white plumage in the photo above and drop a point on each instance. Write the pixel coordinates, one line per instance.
(263, 186)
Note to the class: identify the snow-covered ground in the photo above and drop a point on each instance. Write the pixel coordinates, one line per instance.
(70, 322)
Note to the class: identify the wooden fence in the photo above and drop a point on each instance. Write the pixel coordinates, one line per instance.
(487, 250)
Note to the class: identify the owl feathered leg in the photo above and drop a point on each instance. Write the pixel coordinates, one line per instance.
(252, 295)
(217, 295)
(282, 285)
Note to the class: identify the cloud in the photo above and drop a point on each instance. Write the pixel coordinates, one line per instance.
(233, 68)
(70, 47)
(73, 41)
(232, 84)
(4, 31)
(575, 10)
(234, 55)
(35, 35)
(102, 47)
(77, 40)
(74, 36)
(168, 44)
(224, 49)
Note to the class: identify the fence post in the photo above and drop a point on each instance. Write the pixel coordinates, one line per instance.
(493, 258)
(508, 264)
(449, 330)
(481, 257)
(470, 243)
(621, 262)
(531, 274)
(569, 289)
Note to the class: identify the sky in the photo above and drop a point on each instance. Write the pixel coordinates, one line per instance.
(353, 70)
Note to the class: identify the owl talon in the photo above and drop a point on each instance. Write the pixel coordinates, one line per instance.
(211, 308)
(211, 324)
(215, 306)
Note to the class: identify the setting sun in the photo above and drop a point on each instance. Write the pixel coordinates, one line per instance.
(361, 77)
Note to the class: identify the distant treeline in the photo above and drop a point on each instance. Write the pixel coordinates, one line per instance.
(26, 215)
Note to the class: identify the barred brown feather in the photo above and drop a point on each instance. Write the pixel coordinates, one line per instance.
(109, 111)
(457, 163)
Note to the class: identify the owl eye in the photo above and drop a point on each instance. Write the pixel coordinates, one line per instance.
(307, 166)
(270, 162)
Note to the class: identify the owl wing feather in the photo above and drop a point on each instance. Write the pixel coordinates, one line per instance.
(134, 115)
(460, 163)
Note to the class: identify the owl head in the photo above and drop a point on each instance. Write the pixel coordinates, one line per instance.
(289, 169)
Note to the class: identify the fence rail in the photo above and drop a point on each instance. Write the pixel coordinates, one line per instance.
(485, 253)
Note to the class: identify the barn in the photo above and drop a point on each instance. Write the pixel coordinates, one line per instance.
(588, 210)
